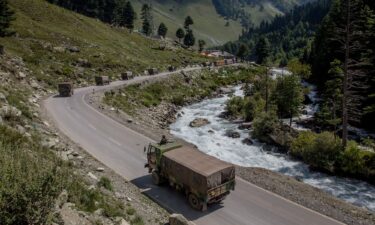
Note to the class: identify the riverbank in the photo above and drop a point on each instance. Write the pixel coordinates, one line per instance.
(152, 122)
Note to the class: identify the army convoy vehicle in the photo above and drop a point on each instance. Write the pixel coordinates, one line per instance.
(102, 80)
(65, 89)
(128, 75)
(171, 68)
(203, 178)
(153, 71)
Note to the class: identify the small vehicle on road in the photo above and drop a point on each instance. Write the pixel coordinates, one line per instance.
(171, 68)
(153, 71)
(102, 80)
(65, 89)
(203, 178)
(128, 75)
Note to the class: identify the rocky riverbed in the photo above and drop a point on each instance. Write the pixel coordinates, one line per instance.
(154, 122)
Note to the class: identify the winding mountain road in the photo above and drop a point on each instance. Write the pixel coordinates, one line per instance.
(121, 149)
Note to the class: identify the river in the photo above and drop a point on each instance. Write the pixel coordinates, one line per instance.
(212, 140)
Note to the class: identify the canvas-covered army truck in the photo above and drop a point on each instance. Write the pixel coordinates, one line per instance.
(171, 68)
(128, 75)
(153, 71)
(102, 80)
(203, 178)
(65, 89)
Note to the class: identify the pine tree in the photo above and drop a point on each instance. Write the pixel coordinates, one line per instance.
(180, 33)
(288, 96)
(129, 16)
(201, 44)
(6, 16)
(262, 50)
(188, 22)
(147, 24)
(243, 51)
(162, 30)
(189, 39)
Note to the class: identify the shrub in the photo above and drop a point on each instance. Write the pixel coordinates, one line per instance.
(130, 211)
(235, 106)
(357, 162)
(105, 182)
(137, 221)
(264, 125)
(254, 106)
(319, 150)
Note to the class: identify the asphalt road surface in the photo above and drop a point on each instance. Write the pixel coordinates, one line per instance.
(121, 149)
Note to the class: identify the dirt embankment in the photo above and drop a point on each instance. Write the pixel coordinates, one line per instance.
(154, 122)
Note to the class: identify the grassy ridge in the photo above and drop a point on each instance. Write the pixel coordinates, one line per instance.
(46, 34)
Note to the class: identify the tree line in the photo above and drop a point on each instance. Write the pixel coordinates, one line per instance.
(343, 65)
(6, 17)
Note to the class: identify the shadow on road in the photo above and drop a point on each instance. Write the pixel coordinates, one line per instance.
(171, 199)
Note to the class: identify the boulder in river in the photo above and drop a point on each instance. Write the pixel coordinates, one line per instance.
(199, 122)
(247, 141)
(245, 126)
(232, 134)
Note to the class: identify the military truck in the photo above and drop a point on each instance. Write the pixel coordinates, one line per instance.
(153, 71)
(128, 75)
(65, 89)
(102, 80)
(171, 68)
(203, 178)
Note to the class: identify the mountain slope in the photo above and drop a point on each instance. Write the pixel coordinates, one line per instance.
(58, 44)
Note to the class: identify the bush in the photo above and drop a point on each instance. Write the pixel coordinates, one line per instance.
(264, 125)
(235, 106)
(321, 151)
(254, 106)
(105, 182)
(357, 162)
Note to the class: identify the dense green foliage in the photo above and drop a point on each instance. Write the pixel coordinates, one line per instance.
(124, 15)
(289, 34)
(288, 96)
(328, 62)
(103, 9)
(180, 33)
(264, 125)
(189, 39)
(323, 151)
(6, 16)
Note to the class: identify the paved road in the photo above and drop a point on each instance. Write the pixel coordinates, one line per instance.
(121, 149)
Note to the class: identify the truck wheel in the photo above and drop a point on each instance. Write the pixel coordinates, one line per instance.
(194, 202)
(156, 178)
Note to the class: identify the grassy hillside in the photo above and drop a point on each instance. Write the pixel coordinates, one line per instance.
(57, 44)
(209, 25)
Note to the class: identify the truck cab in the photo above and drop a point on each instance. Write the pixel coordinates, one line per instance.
(154, 153)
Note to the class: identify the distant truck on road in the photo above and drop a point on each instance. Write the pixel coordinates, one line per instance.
(203, 178)
(102, 80)
(65, 89)
(128, 75)
(153, 71)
